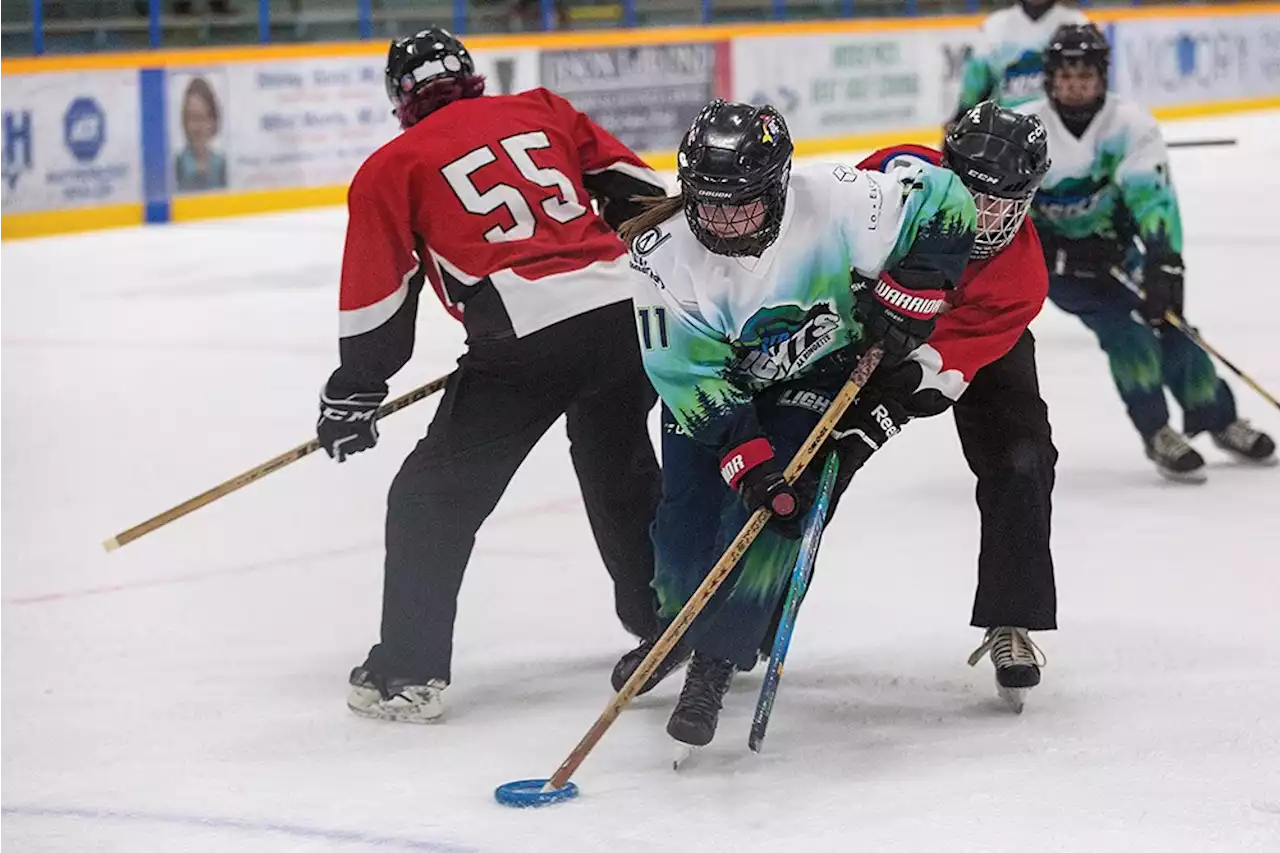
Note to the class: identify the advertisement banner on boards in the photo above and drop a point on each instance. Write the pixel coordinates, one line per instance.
(954, 47)
(297, 123)
(271, 125)
(646, 95)
(1160, 62)
(843, 84)
(507, 71)
(71, 140)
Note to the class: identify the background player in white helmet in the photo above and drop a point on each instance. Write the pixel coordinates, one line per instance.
(1007, 62)
(1108, 203)
(749, 326)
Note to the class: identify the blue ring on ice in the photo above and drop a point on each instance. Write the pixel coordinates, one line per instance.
(528, 793)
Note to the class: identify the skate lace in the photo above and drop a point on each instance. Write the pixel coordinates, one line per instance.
(1009, 647)
(1170, 444)
(1239, 434)
(705, 685)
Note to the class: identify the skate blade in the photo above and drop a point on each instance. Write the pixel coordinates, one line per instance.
(1014, 697)
(1193, 477)
(682, 753)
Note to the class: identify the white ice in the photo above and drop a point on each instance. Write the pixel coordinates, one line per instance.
(186, 692)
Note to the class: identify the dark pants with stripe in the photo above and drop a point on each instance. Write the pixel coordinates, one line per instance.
(1145, 361)
(700, 515)
(1004, 430)
(502, 399)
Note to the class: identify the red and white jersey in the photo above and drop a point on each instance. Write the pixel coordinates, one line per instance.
(489, 199)
(995, 302)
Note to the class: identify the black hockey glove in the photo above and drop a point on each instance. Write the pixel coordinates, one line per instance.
(347, 422)
(1090, 258)
(1162, 286)
(753, 470)
(891, 399)
(898, 310)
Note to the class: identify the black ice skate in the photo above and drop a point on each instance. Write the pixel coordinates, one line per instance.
(1246, 443)
(1175, 459)
(1017, 660)
(693, 722)
(631, 661)
(398, 700)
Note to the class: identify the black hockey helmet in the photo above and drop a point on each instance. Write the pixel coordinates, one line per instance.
(1035, 9)
(428, 70)
(1073, 44)
(1001, 156)
(734, 165)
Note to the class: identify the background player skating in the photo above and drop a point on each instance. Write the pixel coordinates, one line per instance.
(749, 327)
(1007, 62)
(982, 343)
(1108, 202)
(488, 199)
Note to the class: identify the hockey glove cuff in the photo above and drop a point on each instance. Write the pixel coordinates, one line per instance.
(752, 469)
(898, 312)
(347, 422)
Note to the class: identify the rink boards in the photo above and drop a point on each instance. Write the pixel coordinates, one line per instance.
(97, 141)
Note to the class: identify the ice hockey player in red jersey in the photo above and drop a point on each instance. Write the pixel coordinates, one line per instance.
(489, 198)
(982, 345)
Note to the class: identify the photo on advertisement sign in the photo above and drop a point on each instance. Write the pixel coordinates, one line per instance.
(197, 107)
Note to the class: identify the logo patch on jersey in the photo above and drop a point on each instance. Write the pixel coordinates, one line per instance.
(844, 174)
(648, 242)
(778, 342)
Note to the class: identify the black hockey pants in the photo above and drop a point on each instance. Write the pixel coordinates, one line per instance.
(1004, 429)
(503, 397)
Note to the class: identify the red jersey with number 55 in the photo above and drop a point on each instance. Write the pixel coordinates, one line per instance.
(489, 199)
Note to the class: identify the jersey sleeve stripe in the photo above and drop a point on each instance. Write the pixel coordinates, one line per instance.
(358, 321)
(640, 173)
(950, 383)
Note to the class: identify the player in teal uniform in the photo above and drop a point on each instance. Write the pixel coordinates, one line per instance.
(749, 326)
(1007, 62)
(1108, 206)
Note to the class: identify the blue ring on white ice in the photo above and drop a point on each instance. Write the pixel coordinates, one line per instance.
(529, 793)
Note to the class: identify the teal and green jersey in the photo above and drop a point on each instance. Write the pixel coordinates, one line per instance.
(1113, 182)
(717, 330)
(1007, 62)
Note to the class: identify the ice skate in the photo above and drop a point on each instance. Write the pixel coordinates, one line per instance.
(1247, 444)
(1175, 459)
(693, 722)
(397, 700)
(1017, 660)
(631, 661)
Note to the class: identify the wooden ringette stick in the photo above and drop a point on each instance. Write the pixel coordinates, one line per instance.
(242, 480)
(866, 364)
(1193, 335)
(1181, 325)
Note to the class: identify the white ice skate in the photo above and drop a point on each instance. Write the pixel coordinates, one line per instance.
(1175, 459)
(1017, 660)
(395, 700)
(1247, 444)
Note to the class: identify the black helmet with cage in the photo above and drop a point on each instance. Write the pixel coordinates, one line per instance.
(428, 70)
(734, 165)
(1073, 46)
(1001, 156)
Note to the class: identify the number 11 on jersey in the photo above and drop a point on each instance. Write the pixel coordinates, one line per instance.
(647, 330)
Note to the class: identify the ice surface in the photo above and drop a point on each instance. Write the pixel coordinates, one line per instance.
(186, 692)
